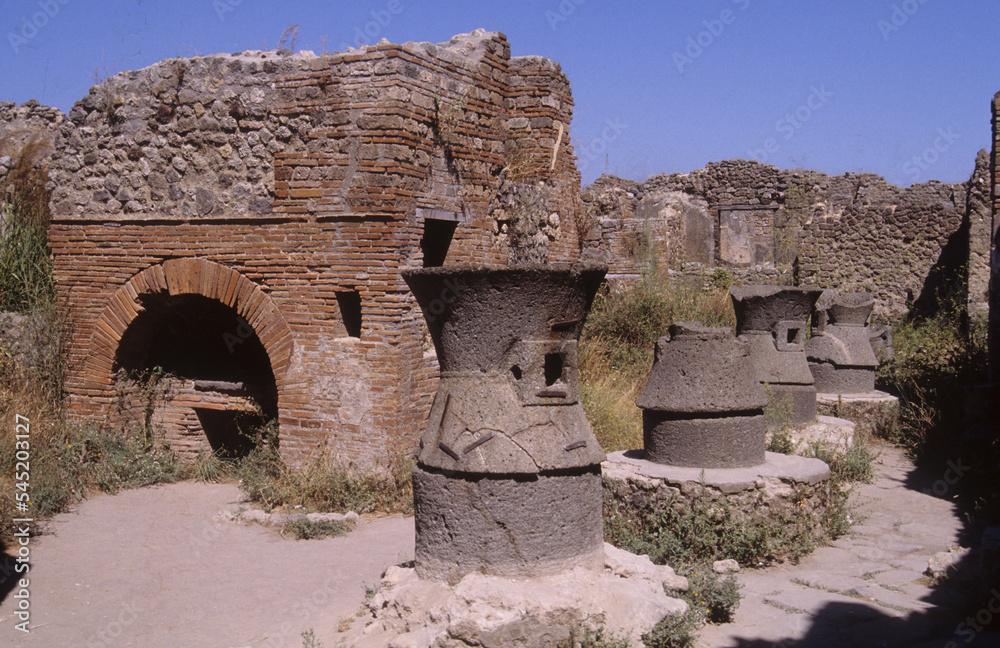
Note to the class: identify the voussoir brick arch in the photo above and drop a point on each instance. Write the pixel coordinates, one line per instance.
(189, 277)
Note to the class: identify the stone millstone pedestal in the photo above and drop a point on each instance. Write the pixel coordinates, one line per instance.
(843, 354)
(839, 351)
(773, 320)
(704, 438)
(508, 478)
(702, 406)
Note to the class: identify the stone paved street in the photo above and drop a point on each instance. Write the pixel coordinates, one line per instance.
(868, 588)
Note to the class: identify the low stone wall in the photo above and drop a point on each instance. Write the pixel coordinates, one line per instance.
(785, 489)
(867, 410)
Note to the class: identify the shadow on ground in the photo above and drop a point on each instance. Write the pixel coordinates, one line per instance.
(963, 610)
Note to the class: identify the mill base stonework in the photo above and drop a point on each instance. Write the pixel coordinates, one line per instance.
(511, 526)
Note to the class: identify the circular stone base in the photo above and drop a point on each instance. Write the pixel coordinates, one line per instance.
(834, 434)
(870, 407)
(722, 442)
(842, 380)
(513, 526)
(783, 487)
(626, 596)
(787, 468)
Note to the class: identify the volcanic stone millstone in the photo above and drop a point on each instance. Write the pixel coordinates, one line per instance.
(773, 320)
(840, 352)
(506, 339)
(508, 476)
(517, 526)
(716, 442)
(702, 405)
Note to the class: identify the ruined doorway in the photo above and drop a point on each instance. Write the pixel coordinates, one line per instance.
(746, 234)
(222, 391)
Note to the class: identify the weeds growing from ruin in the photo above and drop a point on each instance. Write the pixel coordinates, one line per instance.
(304, 529)
(711, 598)
(325, 484)
(934, 359)
(686, 533)
(600, 638)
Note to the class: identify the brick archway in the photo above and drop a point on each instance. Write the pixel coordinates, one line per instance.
(188, 277)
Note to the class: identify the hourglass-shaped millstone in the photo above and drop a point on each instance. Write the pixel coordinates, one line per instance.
(508, 478)
(702, 406)
(840, 351)
(773, 320)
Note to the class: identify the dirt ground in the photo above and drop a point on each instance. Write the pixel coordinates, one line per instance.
(151, 568)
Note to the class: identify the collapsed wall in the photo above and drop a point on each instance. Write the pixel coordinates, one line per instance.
(853, 232)
(238, 223)
(22, 125)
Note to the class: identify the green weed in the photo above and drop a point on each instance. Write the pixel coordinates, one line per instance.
(325, 484)
(305, 529)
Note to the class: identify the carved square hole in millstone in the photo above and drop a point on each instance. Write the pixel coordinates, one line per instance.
(789, 336)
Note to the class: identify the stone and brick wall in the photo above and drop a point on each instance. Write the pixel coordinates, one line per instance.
(994, 295)
(292, 189)
(853, 232)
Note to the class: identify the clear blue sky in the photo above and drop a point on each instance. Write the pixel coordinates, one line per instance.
(901, 88)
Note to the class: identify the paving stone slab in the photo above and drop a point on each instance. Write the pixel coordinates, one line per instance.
(810, 601)
(897, 601)
(824, 580)
(896, 577)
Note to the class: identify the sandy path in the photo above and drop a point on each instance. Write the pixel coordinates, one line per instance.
(151, 568)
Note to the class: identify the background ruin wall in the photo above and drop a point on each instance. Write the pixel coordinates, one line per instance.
(914, 247)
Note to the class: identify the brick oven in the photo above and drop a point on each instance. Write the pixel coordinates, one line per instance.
(234, 226)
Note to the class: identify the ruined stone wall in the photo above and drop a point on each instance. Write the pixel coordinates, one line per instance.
(278, 184)
(853, 232)
(994, 290)
(21, 125)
